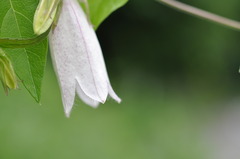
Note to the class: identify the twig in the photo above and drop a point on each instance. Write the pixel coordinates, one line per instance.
(201, 14)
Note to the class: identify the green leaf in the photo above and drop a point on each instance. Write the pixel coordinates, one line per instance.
(101, 9)
(16, 21)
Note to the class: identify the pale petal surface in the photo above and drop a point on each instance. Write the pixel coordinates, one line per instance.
(78, 59)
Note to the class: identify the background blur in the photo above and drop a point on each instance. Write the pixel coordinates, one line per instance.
(179, 81)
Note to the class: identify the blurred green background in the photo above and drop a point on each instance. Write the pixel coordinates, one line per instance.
(177, 76)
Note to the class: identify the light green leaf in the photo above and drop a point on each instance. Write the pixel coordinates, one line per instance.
(16, 21)
(101, 9)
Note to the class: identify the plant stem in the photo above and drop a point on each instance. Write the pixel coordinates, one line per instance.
(202, 14)
(22, 43)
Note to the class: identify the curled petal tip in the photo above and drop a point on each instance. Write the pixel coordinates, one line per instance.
(103, 101)
(89, 93)
(113, 94)
(67, 112)
(68, 95)
(119, 100)
(86, 99)
(95, 105)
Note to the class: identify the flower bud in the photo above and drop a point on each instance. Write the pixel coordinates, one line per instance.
(7, 74)
(44, 15)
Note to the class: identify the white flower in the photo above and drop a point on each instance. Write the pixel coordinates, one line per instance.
(78, 59)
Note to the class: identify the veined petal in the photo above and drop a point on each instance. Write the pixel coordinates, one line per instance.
(62, 65)
(89, 61)
(75, 50)
(78, 59)
(97, 60)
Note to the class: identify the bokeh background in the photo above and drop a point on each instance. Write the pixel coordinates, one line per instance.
(177, 76)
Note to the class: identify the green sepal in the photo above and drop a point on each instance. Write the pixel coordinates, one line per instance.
(7, 73)
(44, 15)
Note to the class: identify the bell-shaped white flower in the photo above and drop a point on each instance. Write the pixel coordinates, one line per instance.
(78, 59)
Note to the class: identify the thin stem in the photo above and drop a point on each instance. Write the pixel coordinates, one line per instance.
(202, 14)
(22, 43)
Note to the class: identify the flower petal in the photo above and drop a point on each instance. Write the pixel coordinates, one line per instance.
(62, 64)
(68, 96)
(86, 99)
(75, 51)
(78, 59)
(94, 53)
(65, 77)
(91, 73)
(113, 94)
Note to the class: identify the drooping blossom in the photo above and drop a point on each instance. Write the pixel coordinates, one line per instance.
(78, 59)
